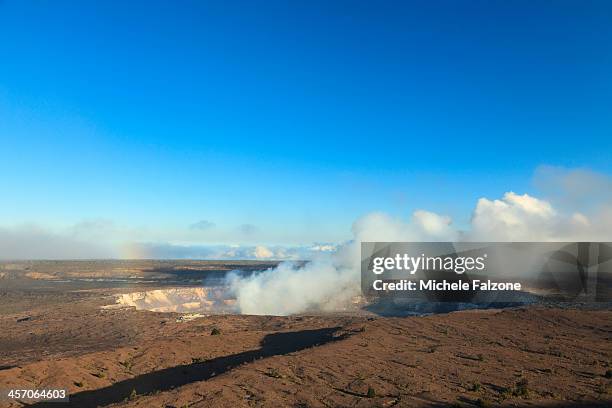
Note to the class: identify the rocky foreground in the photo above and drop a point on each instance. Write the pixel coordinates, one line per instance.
(124, 357)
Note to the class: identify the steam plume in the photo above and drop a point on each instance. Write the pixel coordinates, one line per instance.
(331, 281)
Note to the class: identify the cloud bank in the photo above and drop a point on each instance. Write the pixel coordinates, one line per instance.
(216, 252)
(574, 205)
(32, 242)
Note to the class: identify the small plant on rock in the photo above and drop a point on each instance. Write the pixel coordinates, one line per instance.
(274, 373)
(133, 395)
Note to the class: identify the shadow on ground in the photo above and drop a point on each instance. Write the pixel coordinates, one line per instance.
(397, 307)
(168, 378)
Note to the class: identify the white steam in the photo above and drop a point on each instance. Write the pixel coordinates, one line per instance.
(331, 281)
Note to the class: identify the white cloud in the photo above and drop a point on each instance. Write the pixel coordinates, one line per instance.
(423, 225)
(261, 252)
(525, 218)
(434, 225)
(513, 218)
(326, 247)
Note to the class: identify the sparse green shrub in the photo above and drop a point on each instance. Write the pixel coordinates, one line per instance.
(274, 373)
(608, 374)
(476, 387)
(133, 395)
(505, 394)
(371, 393)
(127, 364)
(483, 402)
(215, 332)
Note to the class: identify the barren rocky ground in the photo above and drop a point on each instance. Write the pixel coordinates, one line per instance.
(58, 337)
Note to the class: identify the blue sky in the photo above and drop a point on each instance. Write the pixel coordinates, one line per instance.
(292, 117)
